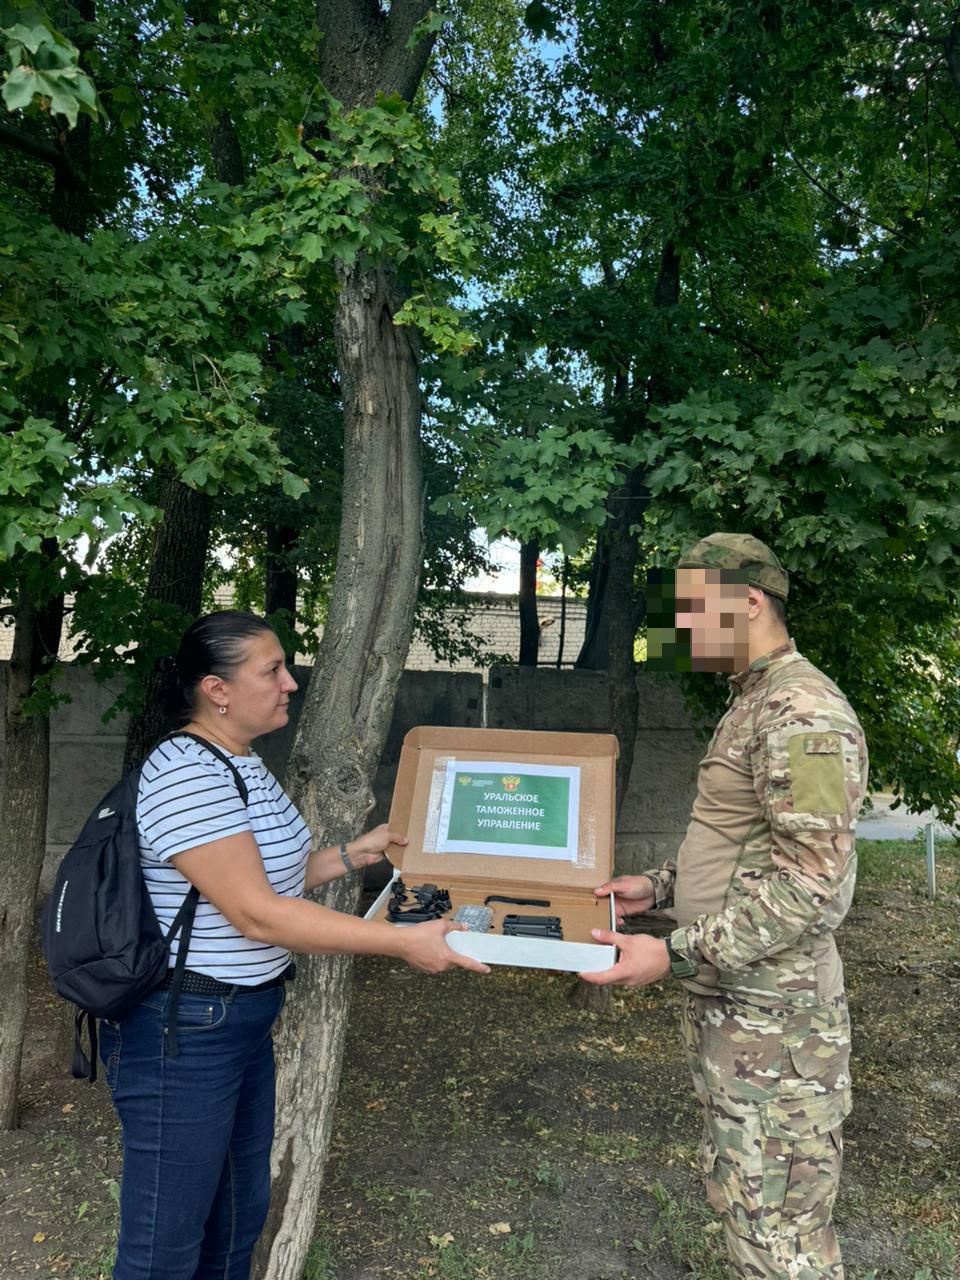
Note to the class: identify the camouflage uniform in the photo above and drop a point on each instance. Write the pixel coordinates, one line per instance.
(763, 877)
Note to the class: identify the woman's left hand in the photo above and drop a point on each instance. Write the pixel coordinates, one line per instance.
(368, 849)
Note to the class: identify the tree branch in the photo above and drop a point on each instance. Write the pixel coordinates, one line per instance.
(839, 201)
(740, 341)
(404, 16)
(908, 37)
(404, 67)
(947, 123)
(38, 149)
(952, 54)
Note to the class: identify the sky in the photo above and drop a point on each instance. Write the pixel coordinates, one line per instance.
(505, 554)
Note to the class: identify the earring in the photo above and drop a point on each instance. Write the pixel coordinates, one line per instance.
(222, 710)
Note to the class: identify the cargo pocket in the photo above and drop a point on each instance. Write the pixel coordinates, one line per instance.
(801, 1158)
(816, 1060)
(801, 1124)
(798, 1119)
(708, 1172)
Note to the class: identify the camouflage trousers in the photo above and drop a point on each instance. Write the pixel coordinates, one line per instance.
(774, 1087)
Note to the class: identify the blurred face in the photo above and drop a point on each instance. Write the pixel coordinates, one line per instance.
(716, 614)
(257, 694)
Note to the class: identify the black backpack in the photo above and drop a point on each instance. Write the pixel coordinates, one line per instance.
(103, 943)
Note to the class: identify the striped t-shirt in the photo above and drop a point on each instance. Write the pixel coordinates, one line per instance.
(187, 797)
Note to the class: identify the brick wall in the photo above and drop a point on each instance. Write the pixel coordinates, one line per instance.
(494, 619)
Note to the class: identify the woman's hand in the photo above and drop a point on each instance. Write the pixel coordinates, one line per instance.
(368, 849)
(424, 948)
(325, 865)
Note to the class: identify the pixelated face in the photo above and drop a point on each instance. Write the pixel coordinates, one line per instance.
(698, 620)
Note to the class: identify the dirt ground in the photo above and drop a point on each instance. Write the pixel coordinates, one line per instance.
(488, 1128)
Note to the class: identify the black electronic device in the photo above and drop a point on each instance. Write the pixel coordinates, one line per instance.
(417, 905)
(533, 927)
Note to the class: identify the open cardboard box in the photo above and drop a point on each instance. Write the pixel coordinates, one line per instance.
(429, 756)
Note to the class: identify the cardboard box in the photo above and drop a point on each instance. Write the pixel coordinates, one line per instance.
(540, 824)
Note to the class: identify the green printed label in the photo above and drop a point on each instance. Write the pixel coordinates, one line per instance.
(510, 809)
(515, 808)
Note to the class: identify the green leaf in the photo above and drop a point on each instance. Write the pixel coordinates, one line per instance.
(434, 21)
(540, 20)
(14, 536)
(19, 88)
(63, 101)
(312, 247)
(293, 486)
(32, 37)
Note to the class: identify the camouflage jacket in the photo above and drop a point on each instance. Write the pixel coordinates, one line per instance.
(767, 867)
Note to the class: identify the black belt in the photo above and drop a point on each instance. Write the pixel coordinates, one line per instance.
(200, 984)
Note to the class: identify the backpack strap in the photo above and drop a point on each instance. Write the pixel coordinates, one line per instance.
(183, 920)
(214, 751)
(82, 1067)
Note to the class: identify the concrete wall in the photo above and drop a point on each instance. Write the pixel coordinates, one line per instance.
(86, 754)
(663, 780)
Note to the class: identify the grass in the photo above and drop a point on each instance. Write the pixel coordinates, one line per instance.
(515, 1136)
(550, 1177)
(887, 862)
(578, 1128)
(937, 1247)
(513, 1257)
(100, 1267)
(319, 1263)
(692, 1233)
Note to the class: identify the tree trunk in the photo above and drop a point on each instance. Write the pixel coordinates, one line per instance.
(620, 633)
(612, 613)
(366, 50)
(563, 610)
(621, 667)
(345, 719)
(527, 600)
(593, 999)
(629, 507)
(176, 578)
(23, 825)
(593, 651)
(281, 578)
(36, 643)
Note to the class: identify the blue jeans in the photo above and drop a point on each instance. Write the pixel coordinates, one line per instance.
(197, 1130)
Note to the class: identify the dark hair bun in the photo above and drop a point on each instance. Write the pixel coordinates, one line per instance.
(214, 645)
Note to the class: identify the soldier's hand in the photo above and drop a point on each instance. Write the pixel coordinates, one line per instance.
(631, 895)
(643, 959)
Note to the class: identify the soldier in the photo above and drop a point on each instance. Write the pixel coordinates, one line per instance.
(763, 877)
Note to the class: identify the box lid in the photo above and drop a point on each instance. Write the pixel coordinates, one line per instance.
(428, 760)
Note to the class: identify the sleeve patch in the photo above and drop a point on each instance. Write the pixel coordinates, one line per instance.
(816, 773)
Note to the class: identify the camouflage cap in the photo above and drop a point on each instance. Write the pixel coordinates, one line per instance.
(741, 552)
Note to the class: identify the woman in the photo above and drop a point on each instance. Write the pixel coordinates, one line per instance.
(197, 1124)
